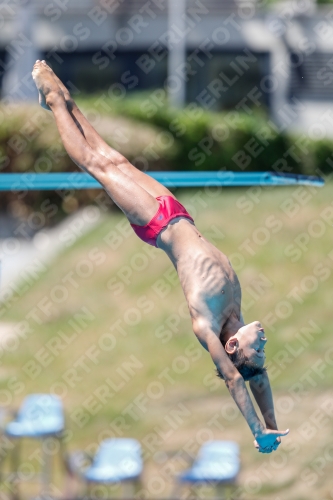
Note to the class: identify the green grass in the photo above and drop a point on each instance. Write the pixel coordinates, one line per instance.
(153, 365)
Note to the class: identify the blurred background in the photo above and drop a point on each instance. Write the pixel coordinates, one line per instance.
(90, 314)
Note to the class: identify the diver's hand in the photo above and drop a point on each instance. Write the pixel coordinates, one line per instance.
(268, 440)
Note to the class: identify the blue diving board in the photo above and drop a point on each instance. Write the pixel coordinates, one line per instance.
(30, 181)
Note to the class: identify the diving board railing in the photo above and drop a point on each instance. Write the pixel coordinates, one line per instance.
(30, 181)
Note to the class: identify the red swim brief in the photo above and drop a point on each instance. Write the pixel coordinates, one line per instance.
(169, 209)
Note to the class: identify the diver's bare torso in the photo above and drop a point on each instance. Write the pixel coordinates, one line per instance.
(210, 285)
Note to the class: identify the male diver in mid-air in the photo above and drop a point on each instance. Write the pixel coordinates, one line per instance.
(209, 283)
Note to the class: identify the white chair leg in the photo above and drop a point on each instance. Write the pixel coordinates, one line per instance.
(127, 490)
(15, 459)
(46, 472)
(176, 490)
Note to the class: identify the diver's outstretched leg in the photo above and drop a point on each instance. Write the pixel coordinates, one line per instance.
(99, 145)
(137, 204)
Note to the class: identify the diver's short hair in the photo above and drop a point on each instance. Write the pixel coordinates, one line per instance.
(243, 365)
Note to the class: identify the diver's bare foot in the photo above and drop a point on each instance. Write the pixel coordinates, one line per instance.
(61, 85)
(47, 87)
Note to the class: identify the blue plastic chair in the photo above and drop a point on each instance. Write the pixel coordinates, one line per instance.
(117, 460)
(40, 416)
(217, 464)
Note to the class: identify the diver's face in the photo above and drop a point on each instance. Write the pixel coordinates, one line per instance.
(251, 338)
